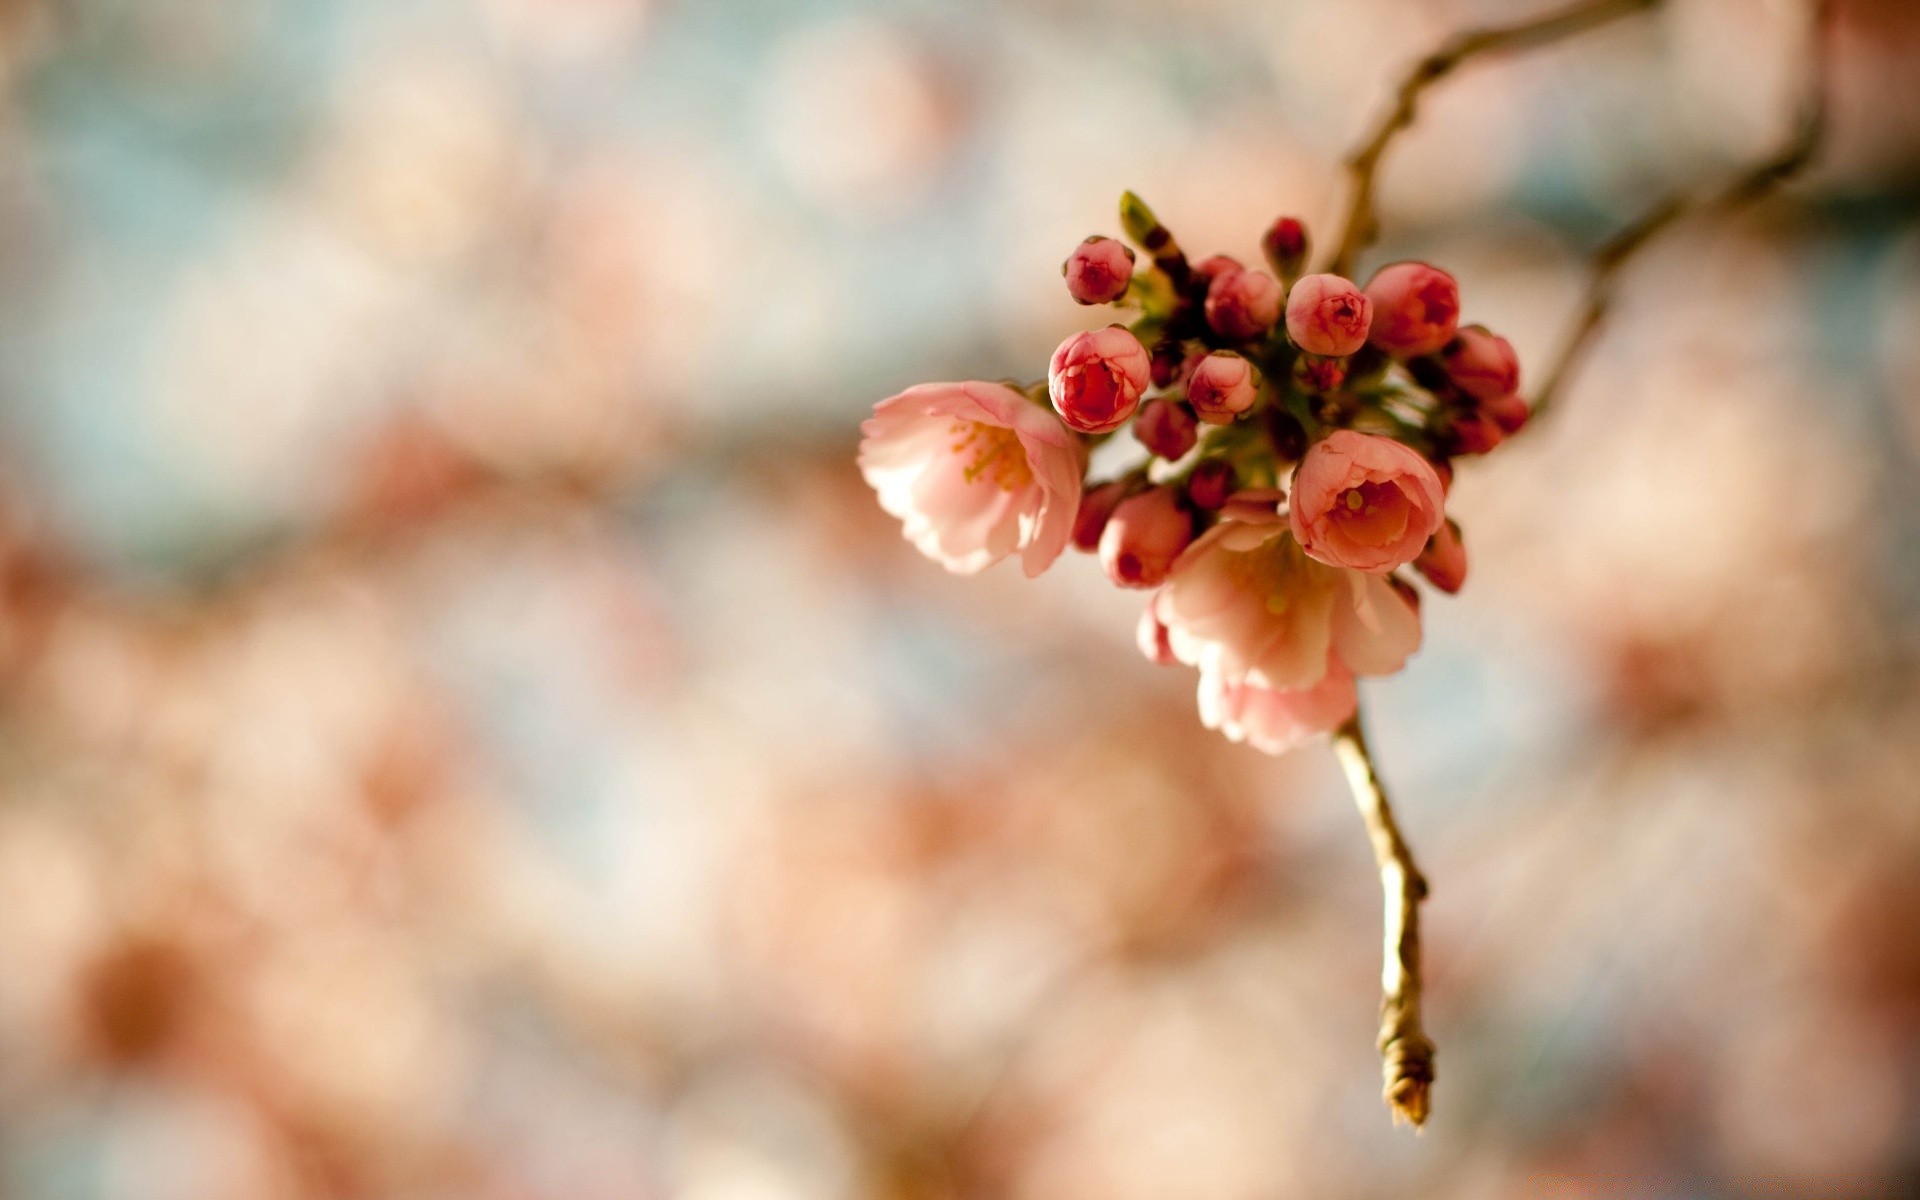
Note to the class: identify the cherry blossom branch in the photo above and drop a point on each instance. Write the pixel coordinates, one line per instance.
(1802, 144)
(1405, 1050)
(1362, 224)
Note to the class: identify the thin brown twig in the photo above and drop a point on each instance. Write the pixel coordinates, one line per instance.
(1363, 165)
(1802, 144)
(1406, 1052)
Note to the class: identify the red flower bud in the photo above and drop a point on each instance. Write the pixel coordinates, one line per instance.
(1444, 561)
(1096, 506)
(1482, 364)
(1285, 245)
(1210, 484)
(1098, 270)
(1096, 378)
(1147, 532)
(1509, 412)
(1166, 427)
(1210, 269)
(1314, 373)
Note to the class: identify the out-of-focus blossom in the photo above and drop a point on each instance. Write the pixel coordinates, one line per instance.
(1416, 308)
(1223, 385)
(1444, 561)
(1096, 378)
(1509, 412)
(975, 471)
(1365, 502)
(1272, 720)
(1210, 484)
(1166, 427)
(1285, 245)
(1098, 270)
(1482, 364)
(1328, 315)
(1096, 506)
(1243, 304)
(1145, 535)
(1151, 635)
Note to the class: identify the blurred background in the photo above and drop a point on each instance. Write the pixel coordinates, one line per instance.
(467, 732)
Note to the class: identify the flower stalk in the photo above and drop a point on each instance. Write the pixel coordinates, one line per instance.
(1406, 1053)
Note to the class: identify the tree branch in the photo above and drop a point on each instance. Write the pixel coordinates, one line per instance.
(1405, 1050)
(1363, 165)
(1802, 144)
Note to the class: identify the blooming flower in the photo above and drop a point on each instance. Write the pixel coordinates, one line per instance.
(1098, 270)
(1243, 304)
(1365, 502)
(1096, 378)
(975, 471)
(1328, 315)
(1144, 536)
(1151, 636)
(1482, 364)
(1246, 604)
(1416, 308)
(1223, 386)
(1276, 720)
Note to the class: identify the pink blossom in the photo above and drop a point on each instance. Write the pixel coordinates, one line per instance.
(1482, 364)
(1222, 386)
(1098, 270)
(975, 471)
(1145, 535)
(1256, 506)
(1275, 721)
(1096, 378)
(1416, 308)
(1364, 501)
(1166, 428)
(1444, 561)
(1243, 304)
(1328, 315)
(1151, 636)
(1246, 604)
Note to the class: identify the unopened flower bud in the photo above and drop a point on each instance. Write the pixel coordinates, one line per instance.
(1471, 431)
(1482, 364)
(1243, 304)
(1166, 363)
(1166, 428)
(1223, 385)
(1147, 532)
(1098, 270)
(1416, 308)
(1328, 315)
(1151, 634)
(1211, 268)
(1444, 561)
(1096, 506)
(1096, 378)
(1210, 484)
(1314, 373)
(1509, 412)
(1285, 245)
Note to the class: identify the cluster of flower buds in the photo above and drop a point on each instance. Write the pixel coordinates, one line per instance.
(1296, 437)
